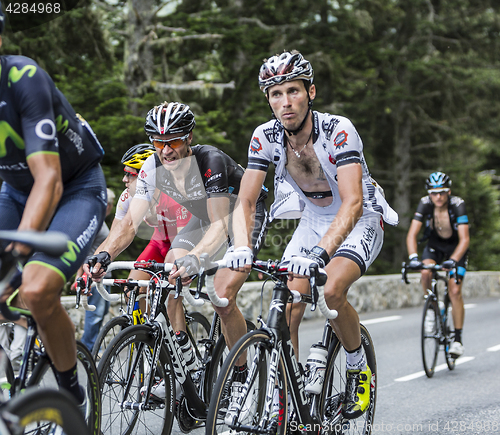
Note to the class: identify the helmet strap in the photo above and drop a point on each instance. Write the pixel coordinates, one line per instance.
(301, 126)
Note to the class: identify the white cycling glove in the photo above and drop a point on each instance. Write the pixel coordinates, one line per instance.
(300, 265)
(238, 257)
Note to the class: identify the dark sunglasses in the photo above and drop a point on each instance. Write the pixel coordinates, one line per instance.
(173, 143)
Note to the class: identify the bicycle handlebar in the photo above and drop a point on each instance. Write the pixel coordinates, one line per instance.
(53, 243)
(433, 267)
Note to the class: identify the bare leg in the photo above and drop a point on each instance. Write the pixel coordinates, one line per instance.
(426, 277)
(457, 302)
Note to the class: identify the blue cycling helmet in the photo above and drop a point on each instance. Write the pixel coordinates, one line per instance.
(438, 181)
(2, 19)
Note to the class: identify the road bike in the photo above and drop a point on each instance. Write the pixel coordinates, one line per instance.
(273, 399)
(35, 402)
(197, 325)
(144, 356)
(437, 328)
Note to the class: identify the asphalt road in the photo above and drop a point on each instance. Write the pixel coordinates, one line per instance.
(463, 401)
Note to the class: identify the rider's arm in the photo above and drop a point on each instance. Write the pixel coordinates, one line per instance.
(411, 237)
(45, 194)
(463, 242)
(122, 234)
(351, 210)
(218, 212)
(244, 211)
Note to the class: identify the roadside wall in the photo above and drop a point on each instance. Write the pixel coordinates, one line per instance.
(370, 293)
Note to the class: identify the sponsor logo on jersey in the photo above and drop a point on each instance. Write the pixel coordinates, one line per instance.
(328, 128)
(88, 234)
(255, 145)
(213, 178)
(341, 139)
(208, 173)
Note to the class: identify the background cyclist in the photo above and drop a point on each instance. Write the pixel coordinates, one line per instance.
(206, 181)
(321, 171)
(49, 163)
(447, 231)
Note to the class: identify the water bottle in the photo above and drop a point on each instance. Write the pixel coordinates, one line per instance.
(187, 350)
(316, 365)
(441, 307)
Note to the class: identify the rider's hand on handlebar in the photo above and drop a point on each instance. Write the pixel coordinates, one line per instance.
(96, 265)
(414, 263)
(449, 264)
(239, 259)
(185, 267)
(300, 265)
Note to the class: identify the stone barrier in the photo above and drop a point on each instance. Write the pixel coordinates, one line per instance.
(370, 293)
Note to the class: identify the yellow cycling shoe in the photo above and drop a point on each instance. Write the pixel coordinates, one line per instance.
(357, 397)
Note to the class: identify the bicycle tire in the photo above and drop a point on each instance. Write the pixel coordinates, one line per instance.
(109, 331)
(430, 335)
(333, 392)
(43, 375)
(449, 335)
(257, 345)
(7, 377)
(135, 343)
(52, 408)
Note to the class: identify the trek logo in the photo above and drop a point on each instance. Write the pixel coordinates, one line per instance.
(276, 305)
(208, 173)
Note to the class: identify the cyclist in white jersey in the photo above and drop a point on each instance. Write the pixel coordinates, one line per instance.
(322, 177)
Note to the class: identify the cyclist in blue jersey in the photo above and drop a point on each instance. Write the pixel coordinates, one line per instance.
(52, 180)
(447, 231)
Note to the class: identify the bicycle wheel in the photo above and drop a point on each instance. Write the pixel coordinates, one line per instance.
(43, 376)
(449, 334)
(109, 331)
(333, 393)
(6, 375)
(258, 347)
(126, 367)
(198, 329)
(430, 335)
(55, 411)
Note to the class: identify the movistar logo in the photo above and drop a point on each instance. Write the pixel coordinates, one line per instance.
(61, 124)
(7, 132)
(15, 75)
(70, 255)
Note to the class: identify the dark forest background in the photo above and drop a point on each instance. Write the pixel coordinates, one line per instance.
(419, 79)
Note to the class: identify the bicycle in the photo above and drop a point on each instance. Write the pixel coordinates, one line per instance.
(197, 325)
(142, 356)
(36, 367)
(437, 325)
(274, 376)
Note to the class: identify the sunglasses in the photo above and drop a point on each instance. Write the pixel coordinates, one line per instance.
(130, 174)
(173, 143)
(442, 192)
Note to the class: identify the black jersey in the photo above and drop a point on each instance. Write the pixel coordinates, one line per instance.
(456, 211)
(211, 173)
(35, 117)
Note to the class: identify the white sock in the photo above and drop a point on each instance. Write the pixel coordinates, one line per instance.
(17, 345)
(355, 360)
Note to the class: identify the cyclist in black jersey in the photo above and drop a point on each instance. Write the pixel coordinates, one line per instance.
(52, 180)
(206, 181)
(447, 235)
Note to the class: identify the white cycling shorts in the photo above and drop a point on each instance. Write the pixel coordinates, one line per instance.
(362, 245)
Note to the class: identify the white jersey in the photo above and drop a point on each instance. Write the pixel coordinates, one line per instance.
(123, 204)
(336, 143)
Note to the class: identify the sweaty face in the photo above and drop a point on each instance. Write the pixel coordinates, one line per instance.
(439, 198)
(290, 102)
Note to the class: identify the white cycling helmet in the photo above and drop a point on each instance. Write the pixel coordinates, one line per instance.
(284, 68)
(169, 118)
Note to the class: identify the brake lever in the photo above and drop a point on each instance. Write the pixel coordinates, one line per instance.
(178, 287)
(313, 271)
(404, 273)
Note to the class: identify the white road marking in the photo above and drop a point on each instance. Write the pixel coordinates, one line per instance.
(494, 348)
(466, 306)
(380, 320)
(438, 368)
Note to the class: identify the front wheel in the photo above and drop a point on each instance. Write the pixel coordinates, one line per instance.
(125, 372)
(430, 335)
(46, 411)
(44, 376)
(109, 331)
(239, 398)
(333, 393)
